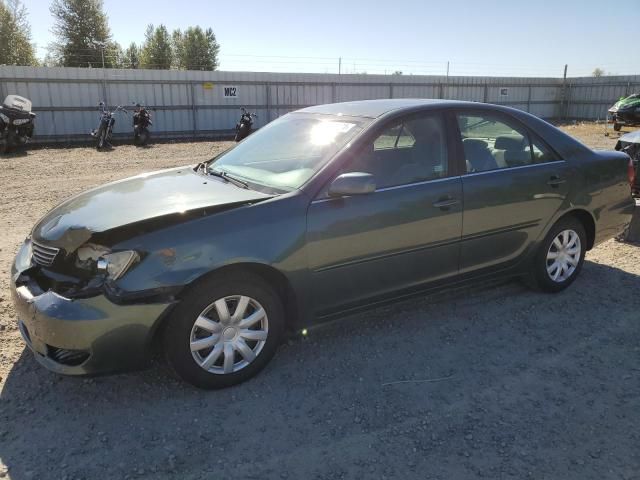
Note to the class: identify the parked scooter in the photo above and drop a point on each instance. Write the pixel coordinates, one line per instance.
(104, 132)
(141, 123)
(245, 126)
(16, 122)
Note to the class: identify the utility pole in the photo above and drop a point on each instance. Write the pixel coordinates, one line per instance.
(340, 66)
(447, 69)
(102, 51)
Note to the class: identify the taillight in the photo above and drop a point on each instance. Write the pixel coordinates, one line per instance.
(631, 173)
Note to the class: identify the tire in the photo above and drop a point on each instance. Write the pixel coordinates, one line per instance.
(143, 138)
(243, 132)
(8, 144)
(196, 322)
(569, 233)
(102, 135)
(617, 126)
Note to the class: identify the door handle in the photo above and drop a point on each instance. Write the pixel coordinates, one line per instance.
(555, 181)
(445, 203)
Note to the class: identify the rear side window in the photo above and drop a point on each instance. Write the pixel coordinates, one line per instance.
(492, 143)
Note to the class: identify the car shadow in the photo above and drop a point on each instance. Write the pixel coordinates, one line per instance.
(495, 381)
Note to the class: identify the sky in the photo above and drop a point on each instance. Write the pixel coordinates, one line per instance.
(475, 37)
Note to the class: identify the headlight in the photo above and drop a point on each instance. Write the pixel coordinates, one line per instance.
(116, 264)
(4, 118)
(21, 121)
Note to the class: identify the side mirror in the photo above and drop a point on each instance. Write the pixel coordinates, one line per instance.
(355, 183)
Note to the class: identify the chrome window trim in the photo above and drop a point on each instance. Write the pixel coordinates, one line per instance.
(506, 169)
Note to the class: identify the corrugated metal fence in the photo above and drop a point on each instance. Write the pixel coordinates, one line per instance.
(192, 104)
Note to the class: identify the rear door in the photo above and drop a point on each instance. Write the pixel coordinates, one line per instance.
(513, 185)
(404, 234)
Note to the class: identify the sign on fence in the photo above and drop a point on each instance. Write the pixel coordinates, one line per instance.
(230, 91)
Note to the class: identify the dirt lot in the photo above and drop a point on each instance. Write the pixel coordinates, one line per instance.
(497, 382)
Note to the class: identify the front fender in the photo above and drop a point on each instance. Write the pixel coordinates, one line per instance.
(270, 233)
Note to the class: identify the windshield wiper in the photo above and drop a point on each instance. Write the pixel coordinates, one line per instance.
(225, 176)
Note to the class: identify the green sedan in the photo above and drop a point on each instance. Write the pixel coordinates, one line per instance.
(325, 211)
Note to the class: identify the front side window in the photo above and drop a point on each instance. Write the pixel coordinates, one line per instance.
(409, 151)
(286, 153)
(492, 143)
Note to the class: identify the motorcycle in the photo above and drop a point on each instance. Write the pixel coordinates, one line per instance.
(245, 125)
(16, 122)
(104, 132)
(141, 123)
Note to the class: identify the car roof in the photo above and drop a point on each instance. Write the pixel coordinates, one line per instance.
(377, 108)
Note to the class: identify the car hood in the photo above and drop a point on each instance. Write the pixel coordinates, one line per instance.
(156, 200)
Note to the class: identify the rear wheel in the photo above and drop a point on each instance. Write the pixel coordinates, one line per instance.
(617, 126)
(560, 256)
(224, 331)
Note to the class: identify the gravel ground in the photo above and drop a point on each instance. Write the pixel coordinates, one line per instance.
(494, 382)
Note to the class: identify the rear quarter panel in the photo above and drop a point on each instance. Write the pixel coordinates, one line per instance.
(601, 186)
(598, 180)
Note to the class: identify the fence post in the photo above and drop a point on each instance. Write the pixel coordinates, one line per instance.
(529, 100)
(486, 93)
(563, 110)
(194, 116)
(104, 88)
(268, 101)
(333, 92)
(391, 90)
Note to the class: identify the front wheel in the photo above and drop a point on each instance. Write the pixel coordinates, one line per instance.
(242, 132)
(560, 256)
(142, 137)
(224, 331)
(102, 138)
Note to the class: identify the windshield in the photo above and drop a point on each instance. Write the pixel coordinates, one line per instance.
(287, 152)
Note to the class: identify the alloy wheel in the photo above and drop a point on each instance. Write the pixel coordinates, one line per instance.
(563, 255)
(229, 334)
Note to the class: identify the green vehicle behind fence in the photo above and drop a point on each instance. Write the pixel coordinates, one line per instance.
(626, 111)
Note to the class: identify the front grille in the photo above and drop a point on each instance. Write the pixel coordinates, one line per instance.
(43, 255)
(66, 356)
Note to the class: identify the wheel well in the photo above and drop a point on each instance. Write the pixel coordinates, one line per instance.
(270, 275)
(588, 223)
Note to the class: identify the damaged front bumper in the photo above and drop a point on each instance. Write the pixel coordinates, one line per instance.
(82, 336)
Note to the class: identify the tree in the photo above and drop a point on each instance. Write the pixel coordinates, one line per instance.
(82, 34)
(157, 51)
(397, 73)
(132, 56)
(15, 35)
(598, 72)
(195, 49)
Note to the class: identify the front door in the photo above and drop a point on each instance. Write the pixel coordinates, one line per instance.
(513, 186)
(404, 234)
